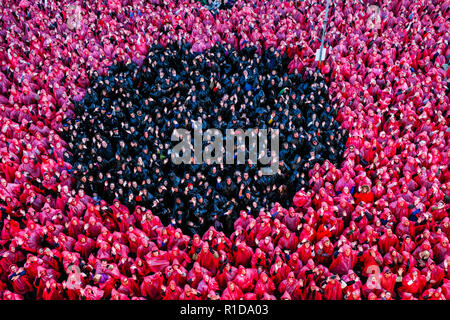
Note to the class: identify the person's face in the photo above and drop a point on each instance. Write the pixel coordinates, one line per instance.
(291, 278)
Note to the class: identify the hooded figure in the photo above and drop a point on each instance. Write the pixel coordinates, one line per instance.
(292, 286)
(344, 262)
(232, 292)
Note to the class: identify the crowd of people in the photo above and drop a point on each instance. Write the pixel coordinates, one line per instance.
(215, 5)
(374, 227)
(120, 141)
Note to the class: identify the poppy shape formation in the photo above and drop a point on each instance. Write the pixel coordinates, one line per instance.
(120, 140)
(374, 227)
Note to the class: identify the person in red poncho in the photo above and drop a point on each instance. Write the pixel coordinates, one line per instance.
(10, 257)
(206, 285)
(388, 240)
(232, 292)
(413, 283)
(242, 253)
(388, 280)
(264, 286)
(344, 262)
(371, 260)
(152, 285)
(172, 292)
(422, 253)
(52, 291)
(245, 279)
(295, 263)
(441, 250)
(278, 271)
(226, 274)
(259, 260)
(266, 245)
(332, 289)
(84, 246)
(177, 273)
(288, 242)
(292, 286)
(190, 294)
(292, 220)
(19, 279)
(364, 194)
(207, 258)
(324, 251)
(435, 274)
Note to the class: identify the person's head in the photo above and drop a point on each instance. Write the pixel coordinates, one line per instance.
(291, 277)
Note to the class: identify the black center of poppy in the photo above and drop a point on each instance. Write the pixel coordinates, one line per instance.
(120, 139)
(215, 5)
